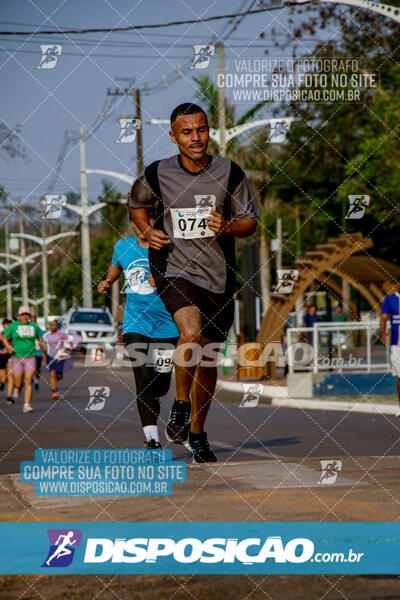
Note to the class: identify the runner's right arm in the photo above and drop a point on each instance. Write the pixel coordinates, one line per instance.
(385, 314)
(142, 198)
(4, 339)
(112, 275)
(382, 329)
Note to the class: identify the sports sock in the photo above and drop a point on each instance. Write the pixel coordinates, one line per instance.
(151, 433)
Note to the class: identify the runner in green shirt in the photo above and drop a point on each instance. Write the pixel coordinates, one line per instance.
(23, 334)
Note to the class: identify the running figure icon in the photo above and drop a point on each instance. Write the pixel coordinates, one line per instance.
(62, 549)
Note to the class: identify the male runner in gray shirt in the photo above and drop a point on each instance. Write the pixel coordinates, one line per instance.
(202, 203)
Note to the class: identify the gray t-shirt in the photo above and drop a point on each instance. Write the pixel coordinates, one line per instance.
(183, 200)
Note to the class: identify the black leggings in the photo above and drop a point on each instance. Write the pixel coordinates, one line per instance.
(150, 385)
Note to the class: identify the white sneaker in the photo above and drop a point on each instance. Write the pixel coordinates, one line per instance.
(398, 413)
(27, 408)
(16, 392)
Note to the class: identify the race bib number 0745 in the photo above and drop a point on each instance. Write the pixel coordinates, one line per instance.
(190, 223)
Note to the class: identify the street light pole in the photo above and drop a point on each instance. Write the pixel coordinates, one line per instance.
(43, 242)
(9, 292)
(45, 275)
(24, 273)
(221, 101)
(87, 297)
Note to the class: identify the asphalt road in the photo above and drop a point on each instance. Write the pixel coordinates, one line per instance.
(236, 434)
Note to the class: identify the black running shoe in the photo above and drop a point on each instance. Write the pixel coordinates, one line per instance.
(10, 400)
(153, 445)
(202, 452)
(177, 429)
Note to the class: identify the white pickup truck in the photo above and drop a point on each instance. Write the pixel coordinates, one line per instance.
(95, 326)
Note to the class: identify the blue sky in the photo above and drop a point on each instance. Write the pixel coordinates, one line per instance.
(48, 102)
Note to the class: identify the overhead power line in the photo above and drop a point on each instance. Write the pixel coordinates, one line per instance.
(150, 26)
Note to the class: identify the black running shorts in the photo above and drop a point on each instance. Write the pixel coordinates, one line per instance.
(217, 310)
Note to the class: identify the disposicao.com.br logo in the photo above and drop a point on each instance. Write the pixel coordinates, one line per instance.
(247, 551)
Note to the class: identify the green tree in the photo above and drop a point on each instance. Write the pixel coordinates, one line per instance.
(341, 149)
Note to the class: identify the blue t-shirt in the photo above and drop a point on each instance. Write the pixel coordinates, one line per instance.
(309, 320)
(391, 306)
(145, 312)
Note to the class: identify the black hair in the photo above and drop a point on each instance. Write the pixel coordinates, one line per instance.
(187, 108)
(6, 321)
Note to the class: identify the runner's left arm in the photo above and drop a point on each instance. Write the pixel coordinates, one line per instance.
(241, 228)
(243, 207)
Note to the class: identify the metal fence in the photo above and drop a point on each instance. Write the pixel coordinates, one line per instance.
(350, 345)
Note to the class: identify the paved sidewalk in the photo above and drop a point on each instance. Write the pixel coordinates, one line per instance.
(275, 394)
(367, 488)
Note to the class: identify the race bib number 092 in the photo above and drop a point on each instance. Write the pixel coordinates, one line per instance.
(190, 223)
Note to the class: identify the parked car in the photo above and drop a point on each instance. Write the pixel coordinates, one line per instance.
(95, 326)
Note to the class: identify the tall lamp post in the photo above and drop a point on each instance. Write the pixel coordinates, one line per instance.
(84, 211)
(44, 242)
(9, 266)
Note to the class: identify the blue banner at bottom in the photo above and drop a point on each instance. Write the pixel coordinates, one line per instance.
(195, 548)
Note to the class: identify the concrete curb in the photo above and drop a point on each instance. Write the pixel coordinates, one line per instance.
(275, 395)
(270, 391)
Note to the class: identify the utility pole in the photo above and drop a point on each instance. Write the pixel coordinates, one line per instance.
(7, 244)
(45, 275)
(221, 101)
(136, 99)
(139, 141)
(24, 273)
(85, 238)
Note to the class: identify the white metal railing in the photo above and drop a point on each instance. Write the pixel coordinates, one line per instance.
(337, 362)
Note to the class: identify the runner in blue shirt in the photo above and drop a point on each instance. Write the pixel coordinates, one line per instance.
(149, 332)
(391, 309)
